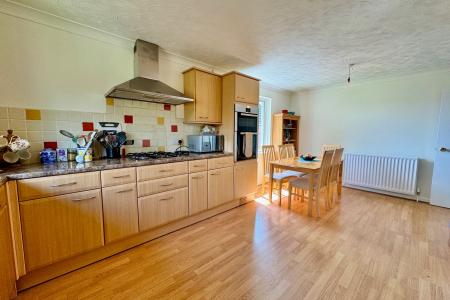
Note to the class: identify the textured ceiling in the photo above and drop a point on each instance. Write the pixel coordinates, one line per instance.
(289, 44)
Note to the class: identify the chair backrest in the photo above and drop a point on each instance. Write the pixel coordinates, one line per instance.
(325, 168)
(326, 147)
(286, 151)
(268, 152)
(335, 164)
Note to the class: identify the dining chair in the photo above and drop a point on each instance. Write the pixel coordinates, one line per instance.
(280, 177)
(334, 175)
(320, 184)
(326, 147)
(286, 151)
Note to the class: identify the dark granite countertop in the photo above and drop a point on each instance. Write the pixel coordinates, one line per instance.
(16, 172)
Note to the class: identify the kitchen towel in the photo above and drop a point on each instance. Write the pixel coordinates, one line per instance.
(248, 144)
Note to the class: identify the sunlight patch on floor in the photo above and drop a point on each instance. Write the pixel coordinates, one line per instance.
(264, 199)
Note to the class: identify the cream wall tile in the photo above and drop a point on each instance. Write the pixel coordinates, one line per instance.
(85, 117)
(18, 125)
(16, 113)
(109, 109)
(63, 125)
(50, 136)
(35, 136)
(49, 115)
(49, 125)
(33, 125)
(21, 134)
(66, 144)
(36, 146)
(4, 125)
(62, 115)
(3, 113)
(97, 118)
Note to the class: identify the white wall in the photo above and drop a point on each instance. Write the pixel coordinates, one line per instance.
(51, 63)
(394, 116)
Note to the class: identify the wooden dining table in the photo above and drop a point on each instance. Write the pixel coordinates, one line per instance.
(311, 168)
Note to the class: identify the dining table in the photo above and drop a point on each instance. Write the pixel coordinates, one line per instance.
(311, 168)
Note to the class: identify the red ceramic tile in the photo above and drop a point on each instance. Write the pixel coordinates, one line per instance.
(167, 106)
(51, 145)
(88, 126)
(174, 128)
(128, 119)
(145, 143)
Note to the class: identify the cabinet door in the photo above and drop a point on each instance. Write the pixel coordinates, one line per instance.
(59, 227)
(120, 211)
(247, 89)
(220, 186)
(7, 271)
(208, 95)
(245, 174)
(162, 208)
(198, 192)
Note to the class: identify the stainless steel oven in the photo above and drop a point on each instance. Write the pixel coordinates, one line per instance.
(245, 131)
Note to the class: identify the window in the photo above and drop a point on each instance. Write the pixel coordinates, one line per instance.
(264, 121)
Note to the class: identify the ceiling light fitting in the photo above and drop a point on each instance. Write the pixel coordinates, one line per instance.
(349, 79)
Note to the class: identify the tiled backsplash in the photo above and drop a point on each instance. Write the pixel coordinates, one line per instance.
(153, 127)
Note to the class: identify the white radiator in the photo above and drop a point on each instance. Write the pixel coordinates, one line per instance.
(394, 175)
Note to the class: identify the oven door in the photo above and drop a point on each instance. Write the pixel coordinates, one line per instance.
(246, 122)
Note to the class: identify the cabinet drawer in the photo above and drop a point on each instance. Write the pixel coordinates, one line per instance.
(198, 165)
(118, 176)
(151, 187)
(221, 162)
(57, 185)
(120, 211)
(162, 208)
(60, 227)
(161, 171)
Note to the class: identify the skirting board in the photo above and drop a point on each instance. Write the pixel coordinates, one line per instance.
(409, 197)
(63, 267)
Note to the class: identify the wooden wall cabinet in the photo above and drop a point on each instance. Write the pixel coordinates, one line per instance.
(245, 178)
(120, 211)
(285, 130)
(59, 227)
(7, 267)
(220, 186)
(206, 90)
(236, 87)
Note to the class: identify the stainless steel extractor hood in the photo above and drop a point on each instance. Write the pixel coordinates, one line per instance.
(146, 85)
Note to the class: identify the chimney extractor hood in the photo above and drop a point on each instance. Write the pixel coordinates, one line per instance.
(146, 85)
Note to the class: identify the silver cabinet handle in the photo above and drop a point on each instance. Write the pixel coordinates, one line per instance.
(64, 184)
(198, 177)
(121, 176)
(165, 199)
(124, 191)
(214, 174)
(203, 117)
(168, 184)
(443, 149)
(163, 171)
(81, 199)
(197, 166)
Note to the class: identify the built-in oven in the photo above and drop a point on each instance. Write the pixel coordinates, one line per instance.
(245, 131)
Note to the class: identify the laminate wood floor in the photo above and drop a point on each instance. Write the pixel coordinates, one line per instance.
(368, 247)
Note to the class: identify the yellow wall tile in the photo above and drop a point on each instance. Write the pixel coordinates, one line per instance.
(161, 148)
(160, 120)
(33, 114)
(110, 101)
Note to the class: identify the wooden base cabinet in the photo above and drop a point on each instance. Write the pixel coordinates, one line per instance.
(245, 178)
(198, 192)
(220, 186)
(162, 208)
(7, 268)
(120, 211)
(59, 227)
